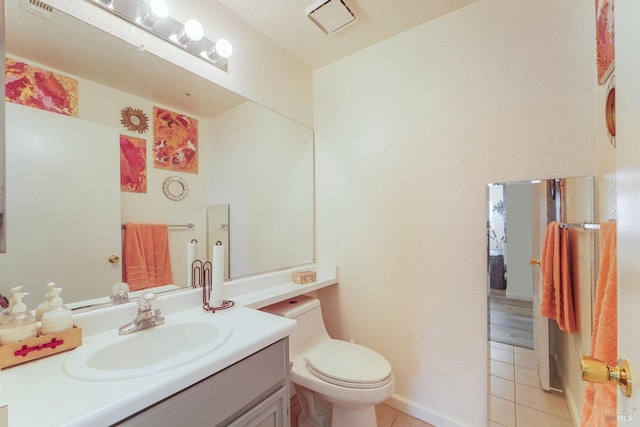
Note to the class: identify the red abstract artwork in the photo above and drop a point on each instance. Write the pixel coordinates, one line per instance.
(605, 38)
(38, 88)
(175, 141)
(133, 164)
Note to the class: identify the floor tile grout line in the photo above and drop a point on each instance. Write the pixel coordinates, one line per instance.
(541, 411)
(515, 384)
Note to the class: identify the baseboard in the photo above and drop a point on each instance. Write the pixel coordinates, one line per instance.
(519, 297)
(421, 412)
(574, 411)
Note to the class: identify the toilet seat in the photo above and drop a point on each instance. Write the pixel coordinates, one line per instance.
(348, 365)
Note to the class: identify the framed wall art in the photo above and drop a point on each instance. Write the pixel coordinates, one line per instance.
(605, 38)
(39, 88)
(133, 164)
(175, 141)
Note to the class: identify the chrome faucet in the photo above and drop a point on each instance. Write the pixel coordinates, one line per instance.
(148, 316)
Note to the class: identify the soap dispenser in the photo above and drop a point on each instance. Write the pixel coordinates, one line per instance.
(45, 305)
(21, 325)
(58, 318)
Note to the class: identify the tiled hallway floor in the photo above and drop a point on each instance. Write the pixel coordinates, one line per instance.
(386, 415)
(515, 395)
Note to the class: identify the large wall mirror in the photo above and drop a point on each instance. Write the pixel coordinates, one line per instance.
(533, 362)
(2, 156)
(65, 208)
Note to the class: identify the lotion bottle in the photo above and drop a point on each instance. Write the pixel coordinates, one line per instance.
(45, 305)
(58, 318)
(21, 325)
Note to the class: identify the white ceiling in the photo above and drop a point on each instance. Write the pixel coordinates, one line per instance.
(285, 22)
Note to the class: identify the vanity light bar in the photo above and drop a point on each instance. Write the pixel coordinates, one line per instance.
(188, 36)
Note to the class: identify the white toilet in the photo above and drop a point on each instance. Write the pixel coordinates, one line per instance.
(338, 383)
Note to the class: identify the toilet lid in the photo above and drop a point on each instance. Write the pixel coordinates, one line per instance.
(348, 365)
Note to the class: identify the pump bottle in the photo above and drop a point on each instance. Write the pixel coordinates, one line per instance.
(21, 325)
(45, 305)
(58, 317)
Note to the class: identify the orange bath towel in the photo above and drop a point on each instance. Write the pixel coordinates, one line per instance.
(557, 287)
(600, 403)
(146, 256)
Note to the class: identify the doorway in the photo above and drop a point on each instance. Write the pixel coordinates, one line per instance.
(510, 295)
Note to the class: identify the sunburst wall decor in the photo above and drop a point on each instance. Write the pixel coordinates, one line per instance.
(134, 119)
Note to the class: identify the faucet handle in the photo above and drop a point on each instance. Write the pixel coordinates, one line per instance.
(120, 292)
(147, 301)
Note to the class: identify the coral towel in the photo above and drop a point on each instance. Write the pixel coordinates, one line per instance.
(146, 256)
(600, 401)
(557, 288)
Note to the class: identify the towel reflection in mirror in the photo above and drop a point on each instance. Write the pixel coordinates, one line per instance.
(147, 262)
(557, 284)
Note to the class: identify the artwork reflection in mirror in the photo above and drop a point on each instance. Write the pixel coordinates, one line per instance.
(2, 151)
(544, 357)
(266, 181)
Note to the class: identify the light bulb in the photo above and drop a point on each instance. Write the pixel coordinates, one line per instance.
(158, 9)
(193, 29)
(223, 48)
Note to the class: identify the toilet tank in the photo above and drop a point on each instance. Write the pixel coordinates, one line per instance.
(310, 330)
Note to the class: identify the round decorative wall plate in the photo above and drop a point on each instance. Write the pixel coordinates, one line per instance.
(134, 119)
(175, 188)
(610, 110)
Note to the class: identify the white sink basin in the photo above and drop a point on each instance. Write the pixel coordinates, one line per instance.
(110, 357)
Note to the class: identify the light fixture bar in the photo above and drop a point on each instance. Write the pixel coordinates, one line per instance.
(187, 36)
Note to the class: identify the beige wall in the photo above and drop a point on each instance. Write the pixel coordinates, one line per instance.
(261, 165)
(408, 134)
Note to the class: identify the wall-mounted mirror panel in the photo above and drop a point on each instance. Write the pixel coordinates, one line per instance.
(2, 145)
(252, 159)
(542, 358)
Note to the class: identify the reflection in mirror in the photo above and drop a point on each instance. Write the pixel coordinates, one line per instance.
(175, 188)
(2, 150)
(266, 181)
(542, 359)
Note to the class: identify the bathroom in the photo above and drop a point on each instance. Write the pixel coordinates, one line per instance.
(493, 91)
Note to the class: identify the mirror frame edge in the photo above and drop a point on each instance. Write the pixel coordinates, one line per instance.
(3, 207)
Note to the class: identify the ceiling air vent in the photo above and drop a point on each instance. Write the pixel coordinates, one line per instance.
(331, 15)
(37, 7)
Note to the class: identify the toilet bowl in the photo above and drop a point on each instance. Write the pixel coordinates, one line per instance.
(338, 383)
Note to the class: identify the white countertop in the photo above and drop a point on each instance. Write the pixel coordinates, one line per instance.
(39, 393)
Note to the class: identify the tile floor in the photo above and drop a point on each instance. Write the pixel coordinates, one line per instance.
(515, 396)
(386, 415)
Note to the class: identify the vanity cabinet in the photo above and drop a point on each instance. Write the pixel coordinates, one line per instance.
(251, 392)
